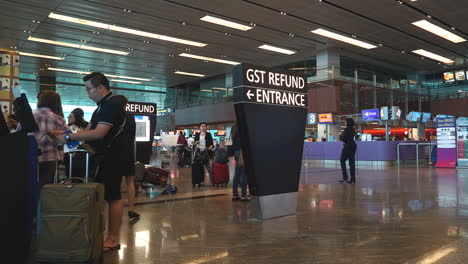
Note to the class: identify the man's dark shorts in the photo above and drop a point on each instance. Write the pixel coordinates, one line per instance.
(111, 176)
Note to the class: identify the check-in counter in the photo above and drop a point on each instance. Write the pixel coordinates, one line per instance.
(369, 153)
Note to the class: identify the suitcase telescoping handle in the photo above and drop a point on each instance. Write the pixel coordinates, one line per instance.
(70, 163)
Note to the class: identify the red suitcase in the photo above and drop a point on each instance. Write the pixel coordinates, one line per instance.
(220, 174)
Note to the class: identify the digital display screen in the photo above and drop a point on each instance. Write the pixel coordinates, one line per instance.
(460, 75)
(416, 116)
(449, 77)
(221, 133)
(409, 116)
(425, 117)
(370, 115)
(325, 118)
(142, 128)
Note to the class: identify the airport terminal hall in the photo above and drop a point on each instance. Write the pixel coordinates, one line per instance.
(234, 131)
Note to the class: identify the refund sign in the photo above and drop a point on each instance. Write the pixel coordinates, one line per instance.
(257, 84)
(141, 108)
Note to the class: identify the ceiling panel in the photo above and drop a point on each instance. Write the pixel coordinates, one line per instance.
(389, 23)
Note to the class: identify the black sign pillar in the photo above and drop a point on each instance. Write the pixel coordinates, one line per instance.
(145, 120)
(271, 110)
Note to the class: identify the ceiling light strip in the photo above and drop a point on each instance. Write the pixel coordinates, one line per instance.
(276, 49)
(226, 23)
(433, 56)
(127, 77)
(40, 56)
(189, 74)
(342, 38)
(66, 70)
(123, 81)
(76, 46)
(187, 55)
(125, 30)
(107, 75)
(436, 30)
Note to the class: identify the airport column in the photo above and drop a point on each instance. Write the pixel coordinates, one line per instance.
(9, 72)
(271, 111)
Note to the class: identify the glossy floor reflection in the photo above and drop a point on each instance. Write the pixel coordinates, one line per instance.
(389, 216)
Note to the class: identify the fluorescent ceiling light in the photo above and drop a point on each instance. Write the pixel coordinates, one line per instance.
(77, 46)
(436, 30)
(107, 75)
(123, 81)
(276, 49)
(342, 38)
(225, 23)
(125, 30)
(208, 59)
(127, 77)
(66, 70)
(40, 56)
(206, 91)
(220, 88)
(190, 74)
(433, 56)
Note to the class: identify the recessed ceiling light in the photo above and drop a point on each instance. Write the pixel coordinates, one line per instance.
(226, 23)
(436, 30)
(189, 73)
(125, 30)
(77, 46)
(352, 41)
(433, 56)
(40, 56)
(276, 49)
(123, 81)
(187, 55)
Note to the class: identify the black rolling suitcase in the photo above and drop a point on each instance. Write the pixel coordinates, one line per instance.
(198, 174)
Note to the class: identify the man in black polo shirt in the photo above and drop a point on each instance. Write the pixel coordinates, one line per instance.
(102, 132)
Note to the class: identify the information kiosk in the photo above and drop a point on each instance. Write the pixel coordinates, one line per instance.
(145, 121)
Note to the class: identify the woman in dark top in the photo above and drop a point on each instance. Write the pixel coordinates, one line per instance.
(204, 142)
(348, 152)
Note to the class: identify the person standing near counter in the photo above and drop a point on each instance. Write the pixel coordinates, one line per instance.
(348, 152)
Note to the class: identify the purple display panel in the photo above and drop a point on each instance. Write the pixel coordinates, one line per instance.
(370, 114)
(446, 143)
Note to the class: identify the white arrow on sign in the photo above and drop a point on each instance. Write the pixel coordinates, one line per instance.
(250, 94)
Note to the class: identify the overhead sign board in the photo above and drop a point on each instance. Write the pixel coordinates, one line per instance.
(325, 118)
(384, 113)
(370, 115)
(270, 96)
(256, 84)
(257, 76)
(141, 108)
(312, 119)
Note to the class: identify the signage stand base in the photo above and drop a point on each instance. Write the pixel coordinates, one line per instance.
(272, 206)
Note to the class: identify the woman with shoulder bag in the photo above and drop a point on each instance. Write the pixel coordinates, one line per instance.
(204, 141)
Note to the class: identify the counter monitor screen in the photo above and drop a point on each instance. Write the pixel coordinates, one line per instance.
(449, 77)
(142, 128)
(221, 133)
(460, 75)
